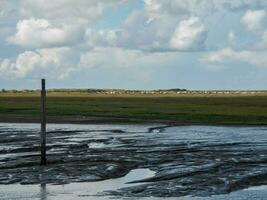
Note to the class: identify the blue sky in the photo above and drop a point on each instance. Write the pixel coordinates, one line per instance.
(133, 44)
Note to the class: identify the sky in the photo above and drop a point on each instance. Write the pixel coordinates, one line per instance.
(134, 44)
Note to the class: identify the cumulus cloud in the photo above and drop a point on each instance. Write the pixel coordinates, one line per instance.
(189, 35)
(40, 33)
(253, 19)
(41, 62)
(57, 23)
(169, 25)
(52, 31)
(173, 25)
(155, 35)
(227, 55)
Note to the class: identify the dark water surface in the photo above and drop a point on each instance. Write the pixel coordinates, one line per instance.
(134, 161)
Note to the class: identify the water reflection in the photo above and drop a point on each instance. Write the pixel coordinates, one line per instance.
(43, 192)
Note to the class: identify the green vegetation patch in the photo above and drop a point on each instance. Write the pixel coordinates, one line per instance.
(217, 110)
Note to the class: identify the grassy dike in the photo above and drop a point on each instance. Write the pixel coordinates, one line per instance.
(173, 108)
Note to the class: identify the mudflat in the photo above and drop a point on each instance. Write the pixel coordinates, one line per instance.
(133, 160)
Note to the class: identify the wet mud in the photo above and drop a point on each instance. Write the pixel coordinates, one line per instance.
(187, 160)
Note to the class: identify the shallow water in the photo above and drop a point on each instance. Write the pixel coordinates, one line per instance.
(90, 190)
(159, 161)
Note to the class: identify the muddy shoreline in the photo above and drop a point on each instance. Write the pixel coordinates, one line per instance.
(114, 120)
(186, 160)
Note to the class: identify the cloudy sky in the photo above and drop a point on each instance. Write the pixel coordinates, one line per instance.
(134, 44)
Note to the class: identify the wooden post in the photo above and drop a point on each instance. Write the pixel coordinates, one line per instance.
(43, 124)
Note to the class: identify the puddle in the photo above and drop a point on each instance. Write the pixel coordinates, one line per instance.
(262, 187)
(118, 183)
(89, 191)
(95, 145)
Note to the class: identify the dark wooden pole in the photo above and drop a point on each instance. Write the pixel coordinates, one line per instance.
(43, 124)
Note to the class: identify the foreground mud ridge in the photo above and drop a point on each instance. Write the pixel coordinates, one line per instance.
(187, 160)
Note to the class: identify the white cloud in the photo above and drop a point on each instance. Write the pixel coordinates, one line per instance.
(112, 57)
(40, 33)
(200, 7)
(52, 32)
(139, 65)
(66, 11)
(101, 38)
(189, 35)
(53, 62)
(170, 25)
(227, 55)
(178, 7)
(7, 68)
(159, 35)
(231, 36)
(253, 19)
(57, 23)
(160, 26)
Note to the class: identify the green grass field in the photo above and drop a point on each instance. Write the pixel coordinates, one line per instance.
(202, 109)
